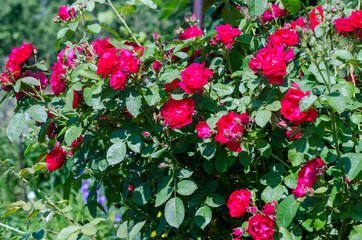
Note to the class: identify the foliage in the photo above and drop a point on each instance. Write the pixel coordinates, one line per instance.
(191, 138)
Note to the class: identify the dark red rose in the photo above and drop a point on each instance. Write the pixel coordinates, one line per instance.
(55, 159)
(314, 19)
(106, 62)
(284, 36)
(194, 77)
(344, 25)
(57, 81)
(169, 87)
(118, 80)
(356, 19)
(178, 113)
(19, 55)
(261, 227)
(226, 33)
(190, 33)
(238, 202)
(156, 65)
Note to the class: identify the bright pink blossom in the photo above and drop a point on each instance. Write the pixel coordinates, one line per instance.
(261, 227)
(284, 36)
(226, 33)
(314, 19)
(194, 77)
(191, 32)
(203, 130)
(178, 113)
(238, 202)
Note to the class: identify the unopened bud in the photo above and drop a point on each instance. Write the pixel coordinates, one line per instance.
(162, 165)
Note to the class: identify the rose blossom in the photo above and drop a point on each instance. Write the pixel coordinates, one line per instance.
(261, 227)
(307, 176)
(290, 107)
(169, 87)
(106, 62)
(356, 19)
(118, 80)
(57, 80)
(178, 113)
(203, 129)
(226, 33)
(344, 25)
(64, 13)
(190, 33)
(75, 144)
(230, 130)
(194, 77)
(55, 159)
(238, 202)
(300, 22)
(101, 45)
(272, 62)
(19, 55)
(156, 65)
(284, 36)
(294, 134)
(314, 19)
(78, 97)
(268, 210)
(277, 12)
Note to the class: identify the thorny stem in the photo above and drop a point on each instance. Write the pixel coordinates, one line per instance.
(123, 21)
(11, 228)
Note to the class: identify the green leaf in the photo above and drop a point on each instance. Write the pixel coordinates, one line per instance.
(30, 81)
(186, 187)
(122, 231)
(284, 234)
(337, 101)
(72, 134)
(342, 54)
(174, 212)
(37, 113)
(307, 102)
(89, 74)
(286, 211)
(257, 7)
(215, 63)
(89, 229)
(185, 173)
(269, 194)
(66, 232)
(163, 195)
(297, 150)
(293, 6)
(94, 28)
(262, 118)
(133, 103)
(352, 164)
(215, 200)
(109, 30)
(135, 143)
(15, 126)
(116, 153)
(223, 90)
(39, 234)
(203, 217)
(356, 233)
(149, 3)
(136, 229)
(142, 193)
(207, 150)
(62, 32)
(264, 148)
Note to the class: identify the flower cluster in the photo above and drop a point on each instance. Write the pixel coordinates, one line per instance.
(307, 176)
(66, 13)
(191, 32)
(261, 224)
(276, 12)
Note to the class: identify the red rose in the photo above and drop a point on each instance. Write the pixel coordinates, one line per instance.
(203, 130)
(226, 33)
(267, 16)
(272, 62)
(64, 13)
(190, 33)
(261, 227)
(136, 48)
(127, 61)
(118, 80)
(55, 159)
(230, 130)
(194, 77)
(301, 22)
(294, 134)
(19, 55)
(178, 113)
(356, 18)
(75, 144)
(78, 97)
(299, 192)
(238, 202)
(169, 87)
(101, 45)
(106, 62)
(314, 19)
(278, 12)
(57, 81)
(269, 210)
(284, 36)
(157, 65)
(290, 107)
(344, 25)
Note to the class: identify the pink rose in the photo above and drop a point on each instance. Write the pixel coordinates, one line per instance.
(314, 19)
(194, 77)
(238, 202)
(295, 134)
(118, 80)
(169, 87)
(278, 12)
(55, 159)
(290, 107)
(64, 13)
(101, 45)
(19, 55)
(156, 66)
(230, 130)
(178, 113)
(190, 33)
(106, 62)
(267, 16)
(203, 129)
(261, 227)
(269, 210)
(226, 33)
(57, 81)
(284, 36)
(299, 192)
(356, 19)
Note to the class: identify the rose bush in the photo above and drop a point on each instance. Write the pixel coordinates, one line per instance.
(245, 130)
